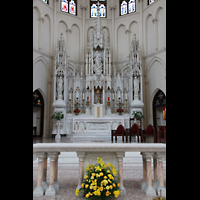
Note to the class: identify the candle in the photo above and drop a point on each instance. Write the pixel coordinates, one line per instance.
(87, 98)
(126, 96)
(113, 96)
(70, 96)
(108, 98)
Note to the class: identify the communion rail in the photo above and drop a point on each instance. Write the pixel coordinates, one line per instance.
(110, 152)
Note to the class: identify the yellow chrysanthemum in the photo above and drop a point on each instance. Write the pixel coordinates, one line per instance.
(107, 187)
(108, 193)
(82, 185)
(95, 187)
(108, 171)
(97, 192)
(111, 187)
(93, 174)
(87, 195)
(86, 177)
(101, 174)
(77, 192)
(86, 186)
(92, 177)
(101, 188)
(116, 193)
(118, 184)
(105, 177)
(114, 185)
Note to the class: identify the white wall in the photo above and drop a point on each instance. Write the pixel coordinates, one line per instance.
(151, 37)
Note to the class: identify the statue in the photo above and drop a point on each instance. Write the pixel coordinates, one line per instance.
(60, 87)
(136, 86)
(98, 64)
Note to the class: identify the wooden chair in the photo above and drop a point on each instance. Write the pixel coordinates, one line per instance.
(119, 132)
(134, 130)
(150, 131)
(161, 134)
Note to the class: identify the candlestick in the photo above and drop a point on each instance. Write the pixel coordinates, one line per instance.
(83, 110)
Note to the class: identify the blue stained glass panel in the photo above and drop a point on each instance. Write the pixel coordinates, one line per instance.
(123, 8)
(131, 6)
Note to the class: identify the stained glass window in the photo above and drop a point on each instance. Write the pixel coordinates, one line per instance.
(64, 6)
(93, 10)
(46, 1)
(69, 6)
(123, 8)
(72, 7)
(151, 1)
(127, 6)
(131, 6)
(37, 98)
(159, 99)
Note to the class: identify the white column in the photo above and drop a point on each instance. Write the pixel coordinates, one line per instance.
(144, 182)
(113, 8)
(120, 156)
(39, 190)
(44, 179)
(81, 156)
(56, 185)
(161, 187)
(83, 8)
(86, 67)
(149, 190)
(51, 189)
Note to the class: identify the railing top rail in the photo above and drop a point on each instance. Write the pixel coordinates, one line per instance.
(103, 147)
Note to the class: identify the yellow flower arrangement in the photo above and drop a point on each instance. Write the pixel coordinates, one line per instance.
(100, 182)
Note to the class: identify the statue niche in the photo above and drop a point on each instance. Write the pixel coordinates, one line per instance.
(98, 69)
(98, 95)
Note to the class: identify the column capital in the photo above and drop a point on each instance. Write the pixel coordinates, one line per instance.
(127, 31)
(120, 155)
(83, 7)
(81, 155)
(160, 156)
(112, 7)
(53, 155)
(41, 155)
(147, 155)
(154, 20)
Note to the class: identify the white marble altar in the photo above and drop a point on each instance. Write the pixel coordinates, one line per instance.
(98, 86)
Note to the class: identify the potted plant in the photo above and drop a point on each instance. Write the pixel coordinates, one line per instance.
(57, 116)
(76, 105)
(100, 182)
(120, 109)
(138, 115)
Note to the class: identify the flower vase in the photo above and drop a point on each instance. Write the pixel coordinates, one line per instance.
(76, 113)
(120, 113)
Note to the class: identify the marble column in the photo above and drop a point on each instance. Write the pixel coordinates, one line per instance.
(44, 179)
(161, 187)
(39, 190)
(149, 190)
(155, 170)
(144, 182)
(51, 189)
(120, 156)
(81, 156)
(56, 185)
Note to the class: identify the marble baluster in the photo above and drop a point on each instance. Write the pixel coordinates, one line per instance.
(81, 156)
(44, 179)
(39, 190)
(144, 182)
(51, 189)
(149, 190)
(161, 187)
(155, 170)
(120, 156)
(56, 185)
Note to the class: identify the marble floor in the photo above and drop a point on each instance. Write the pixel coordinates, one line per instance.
(68, 178)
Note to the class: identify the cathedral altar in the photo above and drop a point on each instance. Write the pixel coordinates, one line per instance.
(89, 96)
